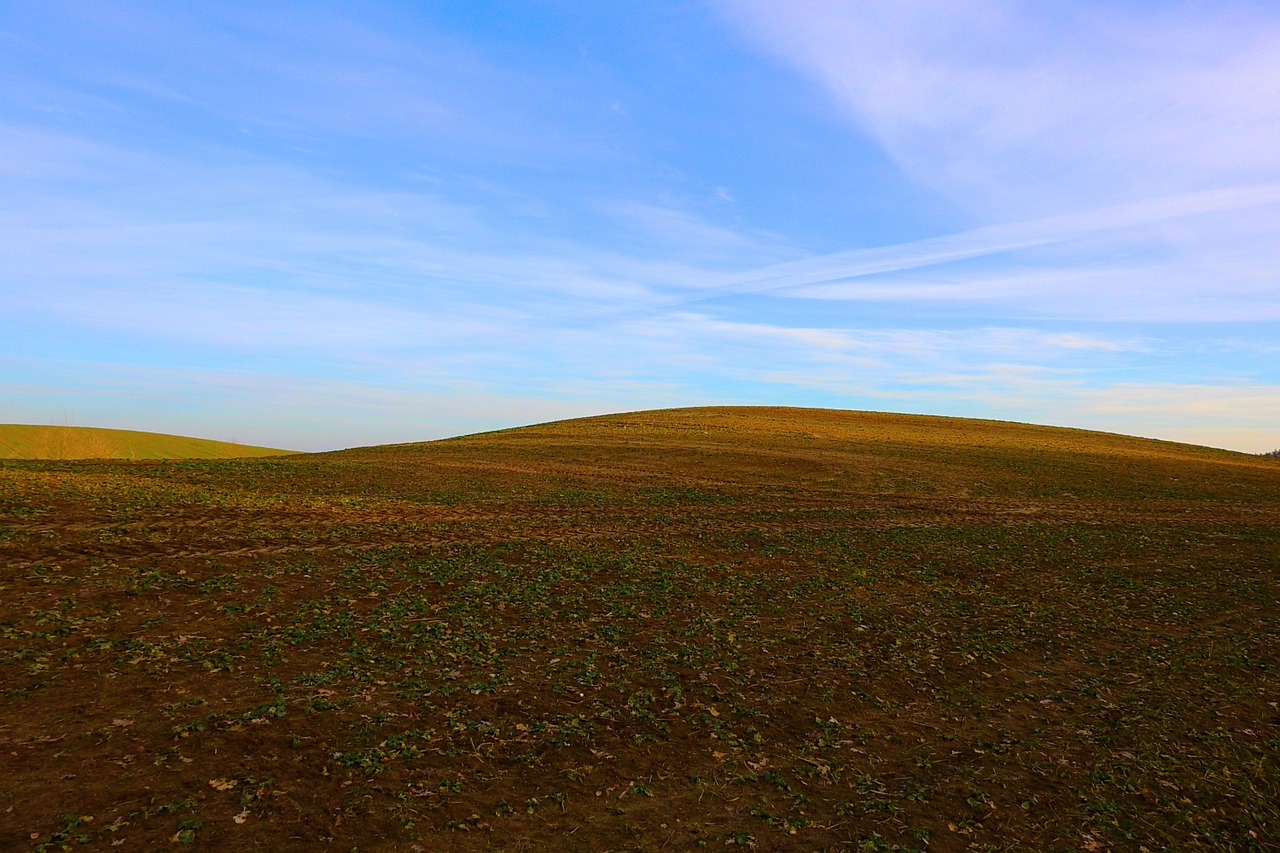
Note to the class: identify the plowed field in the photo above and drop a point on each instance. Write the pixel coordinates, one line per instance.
(777, 629)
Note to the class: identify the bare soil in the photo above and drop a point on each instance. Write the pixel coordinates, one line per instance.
(775, 629)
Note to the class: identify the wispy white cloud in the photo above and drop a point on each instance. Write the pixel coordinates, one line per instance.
(1018, 107)
(263, 255)
(681, 229)
(970, 344)
(359, 214)
(1141, 142)
(42, 155)
(1012, 240)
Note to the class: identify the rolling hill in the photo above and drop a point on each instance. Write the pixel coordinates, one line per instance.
(29, 441)
(742, 628)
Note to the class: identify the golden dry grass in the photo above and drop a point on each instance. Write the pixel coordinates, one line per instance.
(31, 441)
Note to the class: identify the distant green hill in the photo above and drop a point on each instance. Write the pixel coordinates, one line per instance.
(28, 441)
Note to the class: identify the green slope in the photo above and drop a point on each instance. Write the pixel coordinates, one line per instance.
(29, 441)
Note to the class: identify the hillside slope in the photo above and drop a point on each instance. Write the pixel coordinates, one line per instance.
(29, 441)
(830, 452)
(731, 628)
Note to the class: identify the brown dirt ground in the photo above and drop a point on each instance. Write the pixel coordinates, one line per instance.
(769, 628)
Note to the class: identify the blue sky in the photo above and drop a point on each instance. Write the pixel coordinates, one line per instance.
(327, 224)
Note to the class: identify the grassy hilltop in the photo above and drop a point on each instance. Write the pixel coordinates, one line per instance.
(29, 441)
(775, 629)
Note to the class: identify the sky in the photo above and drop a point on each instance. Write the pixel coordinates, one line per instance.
(327, 224)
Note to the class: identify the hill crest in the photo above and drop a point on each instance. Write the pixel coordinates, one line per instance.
(847, 426)
(37, 441)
